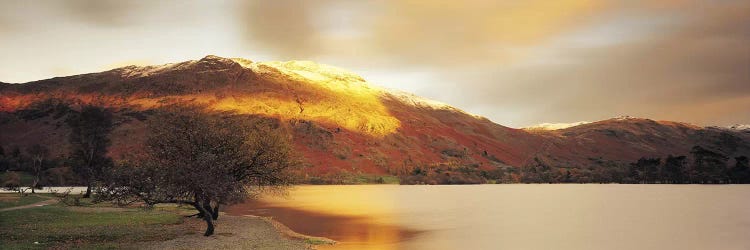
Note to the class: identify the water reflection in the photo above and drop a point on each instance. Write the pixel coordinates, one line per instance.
(516, 216)
(354, 215)
(354, 231)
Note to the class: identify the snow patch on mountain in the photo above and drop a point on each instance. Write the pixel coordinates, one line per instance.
(209, 62)
(416, 100)
(133, 71)
(313, 71)
(554, 126)
(339, 79)
(624, 118)
(739, 127)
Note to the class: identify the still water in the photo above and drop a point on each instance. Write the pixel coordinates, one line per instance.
(523, 216)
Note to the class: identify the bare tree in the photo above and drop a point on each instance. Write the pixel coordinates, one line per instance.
(203, 160)
(38, 154)
(89, 141)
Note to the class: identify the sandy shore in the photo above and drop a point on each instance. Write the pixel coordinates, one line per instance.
(237, 232)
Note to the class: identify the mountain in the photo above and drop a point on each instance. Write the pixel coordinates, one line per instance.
(553, 126)
(739, 127)
(340, 124)
(627, 138)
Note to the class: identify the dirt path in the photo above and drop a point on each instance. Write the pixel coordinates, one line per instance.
(232, 232)
(38, 204)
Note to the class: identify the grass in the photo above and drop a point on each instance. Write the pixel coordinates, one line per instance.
(314, 241)
(14, 200)
(58, 226)
(375, 179)
(353, 179)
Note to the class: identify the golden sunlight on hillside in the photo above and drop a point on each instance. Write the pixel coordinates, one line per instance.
(354, 115)
(303, 91)
(342, 98)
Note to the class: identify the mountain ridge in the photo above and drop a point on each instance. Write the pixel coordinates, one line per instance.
(340, 123)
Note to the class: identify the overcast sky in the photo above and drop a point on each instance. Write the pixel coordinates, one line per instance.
(518, 63)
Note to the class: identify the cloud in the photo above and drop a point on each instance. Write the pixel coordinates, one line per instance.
(432, 32)
(17, 16)
(283, 26)
(526, 62)
(456, 32)
(701, 60)
(103, 12)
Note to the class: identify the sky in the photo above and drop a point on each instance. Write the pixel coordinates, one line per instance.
(518, 63)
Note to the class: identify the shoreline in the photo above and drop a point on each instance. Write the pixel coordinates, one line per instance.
(80, 190)
(238, 232)
(288, 232)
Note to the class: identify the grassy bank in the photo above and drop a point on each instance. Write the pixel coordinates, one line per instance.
(350, 179)
(104, 226)
(14, 200)
(60, 226)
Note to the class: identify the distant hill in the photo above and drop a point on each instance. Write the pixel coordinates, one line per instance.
(628, 138)
(339, 123)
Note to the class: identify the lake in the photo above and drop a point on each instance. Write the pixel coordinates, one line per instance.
(516, 216)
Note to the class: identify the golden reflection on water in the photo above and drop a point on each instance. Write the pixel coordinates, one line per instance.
(344, 200)
(354, 216)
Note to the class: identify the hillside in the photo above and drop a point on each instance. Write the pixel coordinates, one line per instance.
(340, 124)
(628, 138)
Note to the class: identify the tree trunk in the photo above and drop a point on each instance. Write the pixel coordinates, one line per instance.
(88, 191)
(216, 212)
(197, 205)
(33, 184)
(200, 211)
(37, 173)
(207, 206)
(208, 217)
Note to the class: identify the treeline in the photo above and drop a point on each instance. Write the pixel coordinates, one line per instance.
(446, 174)
(89, 140)
(38, 165)
(192, 156)
(704, 166)
(34, 167)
